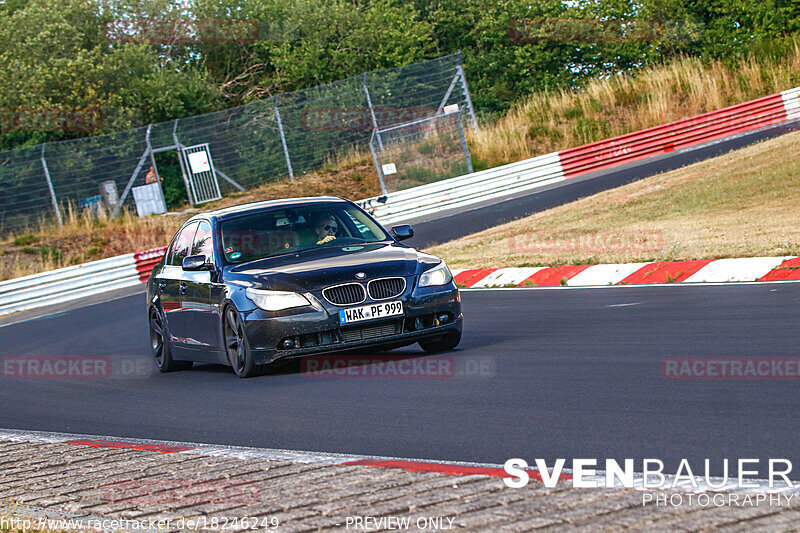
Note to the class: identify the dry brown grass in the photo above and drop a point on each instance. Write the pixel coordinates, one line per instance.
(742, 204)
(83, 238)
(554, 120)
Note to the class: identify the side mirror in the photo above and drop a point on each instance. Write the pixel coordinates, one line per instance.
(196, 262)
(402, 232)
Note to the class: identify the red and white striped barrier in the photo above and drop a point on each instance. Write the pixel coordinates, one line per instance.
(552, 168)
(700, 271)
(676, 135)
(146, 260)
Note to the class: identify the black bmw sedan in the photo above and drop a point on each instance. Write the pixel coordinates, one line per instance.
(250, 285)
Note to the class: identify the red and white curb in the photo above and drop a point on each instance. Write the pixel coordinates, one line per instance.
(746, 269)
(130, 270)
(696, 484)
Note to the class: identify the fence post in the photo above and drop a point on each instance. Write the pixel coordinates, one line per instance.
(182, 163)
(283, 140)
(52, 191)
(377, 163)
(464, 144)
(372, 112)
(466, 93)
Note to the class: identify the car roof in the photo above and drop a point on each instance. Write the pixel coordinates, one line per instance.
(254, 207)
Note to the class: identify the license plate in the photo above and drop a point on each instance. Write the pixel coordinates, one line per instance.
(369, 312)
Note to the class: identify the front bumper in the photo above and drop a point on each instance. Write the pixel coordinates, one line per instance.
(316, 330)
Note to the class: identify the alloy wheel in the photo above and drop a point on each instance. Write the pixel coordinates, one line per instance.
(234, 340)
(157, 336)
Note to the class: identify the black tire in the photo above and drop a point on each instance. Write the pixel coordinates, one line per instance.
(160, 345)
(442, 343)
(236, 346)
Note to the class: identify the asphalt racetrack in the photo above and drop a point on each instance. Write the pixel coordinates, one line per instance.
(572, 373)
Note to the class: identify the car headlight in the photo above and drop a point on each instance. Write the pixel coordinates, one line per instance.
(276, 300)
(436, 276)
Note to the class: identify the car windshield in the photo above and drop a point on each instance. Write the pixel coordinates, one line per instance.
(291, 229)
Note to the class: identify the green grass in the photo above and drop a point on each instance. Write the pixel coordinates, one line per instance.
(24, 240)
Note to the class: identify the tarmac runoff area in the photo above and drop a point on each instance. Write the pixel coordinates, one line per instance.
(89, 484)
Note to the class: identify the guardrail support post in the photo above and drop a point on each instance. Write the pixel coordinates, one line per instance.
(52, 191)
(283, 140)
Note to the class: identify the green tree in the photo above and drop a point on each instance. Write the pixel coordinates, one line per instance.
(56, 58)
(732, 27)
(501, 64)
(302, 43)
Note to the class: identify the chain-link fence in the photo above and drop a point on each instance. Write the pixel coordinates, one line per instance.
(290, 134)
(421, 151)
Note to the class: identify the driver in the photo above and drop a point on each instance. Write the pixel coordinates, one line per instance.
(326, 228)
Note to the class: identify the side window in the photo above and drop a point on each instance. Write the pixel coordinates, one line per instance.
(182, 243)
(202, 241)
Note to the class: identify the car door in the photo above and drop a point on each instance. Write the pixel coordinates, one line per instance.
(200, 314)
(169, 282)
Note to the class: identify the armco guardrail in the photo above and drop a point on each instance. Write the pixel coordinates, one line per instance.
(465, 190)
(551, 168)
(71, 283)
(128, 270)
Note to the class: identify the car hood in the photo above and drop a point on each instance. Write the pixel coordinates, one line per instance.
(315, 269)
